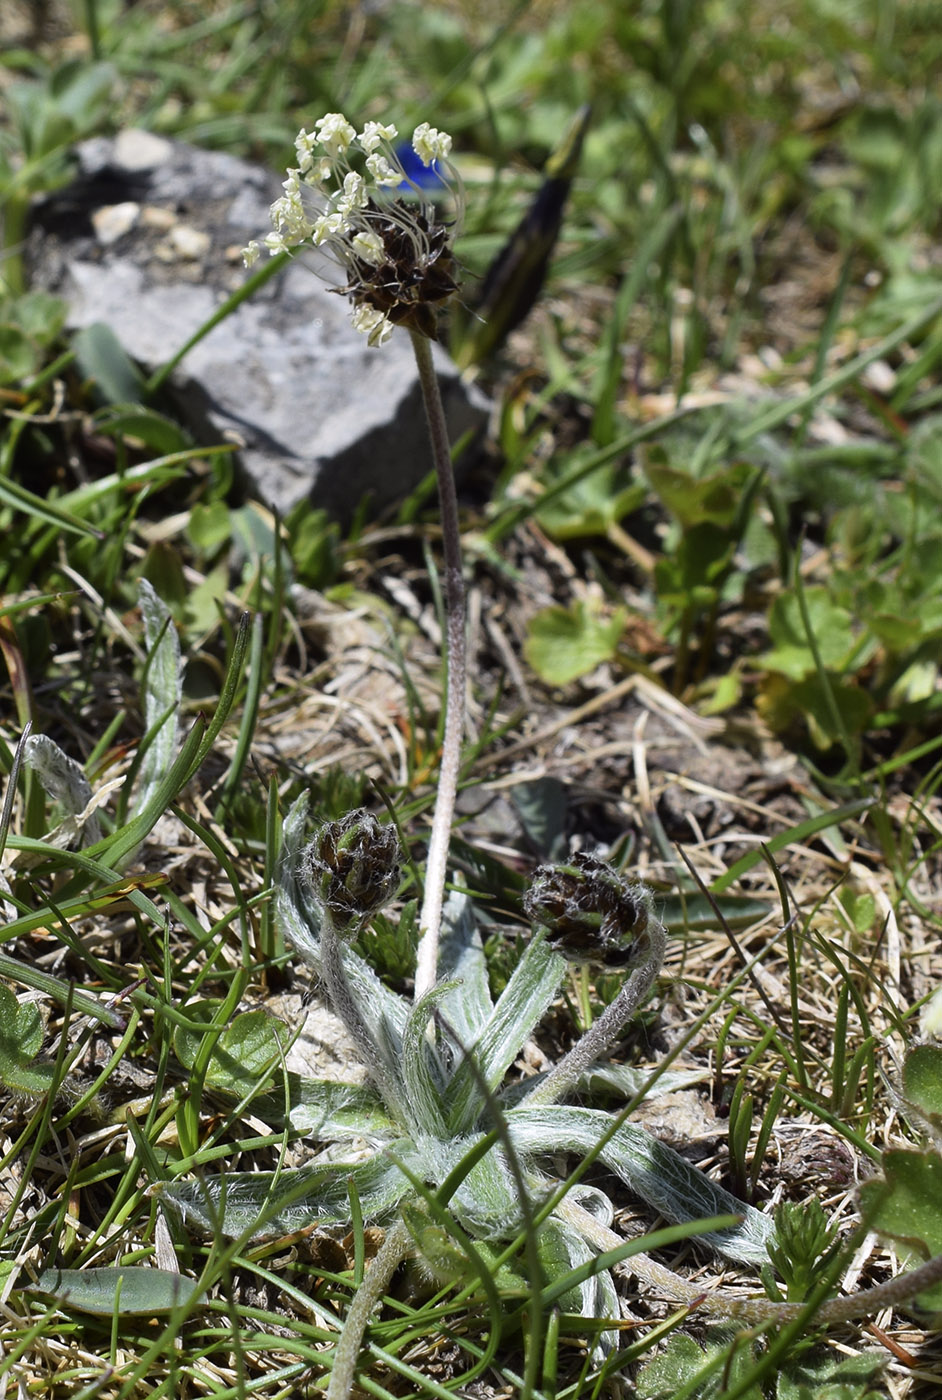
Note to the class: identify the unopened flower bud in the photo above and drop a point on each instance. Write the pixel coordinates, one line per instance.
(590, 913)
(352, 869)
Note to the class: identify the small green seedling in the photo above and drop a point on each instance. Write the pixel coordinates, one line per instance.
(21, 1035)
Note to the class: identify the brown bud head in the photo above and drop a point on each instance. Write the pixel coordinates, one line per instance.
(352, 868)
(591, 914)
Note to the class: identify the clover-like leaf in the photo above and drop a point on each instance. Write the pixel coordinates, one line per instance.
(714, 498)
(249, 1048)
(698, 1369)
(826, 1375)
(21, 1034)
(592, 504)
(832, 626)
(566, 643)
(906, 1205)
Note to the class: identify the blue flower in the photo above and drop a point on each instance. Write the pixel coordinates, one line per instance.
(418, 174)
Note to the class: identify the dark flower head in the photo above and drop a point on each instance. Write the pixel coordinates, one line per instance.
(417, 271)
(352, 869)
(590, 913)
(395, 251)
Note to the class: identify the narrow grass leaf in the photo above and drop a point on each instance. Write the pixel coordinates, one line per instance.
(694, 913)
(201, 738)
(784, 409)
(256, 679)
(120, 848)
(82, 1002)
(159, 471)
(101, 357)
(19, 499)
(836, 816)
(661, 227)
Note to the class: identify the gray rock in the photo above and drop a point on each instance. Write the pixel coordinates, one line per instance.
(147, 239)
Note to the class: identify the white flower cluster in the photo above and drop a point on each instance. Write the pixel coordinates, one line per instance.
(348, 207)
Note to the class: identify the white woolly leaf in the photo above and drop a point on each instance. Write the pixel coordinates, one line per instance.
(420, 1068)
(530, 991)
(270, 1203)
(325, 1110)
(65, 782)
(658, 1174)
(468, 1007)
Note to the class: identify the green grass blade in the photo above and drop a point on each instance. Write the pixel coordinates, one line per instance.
(162, 692)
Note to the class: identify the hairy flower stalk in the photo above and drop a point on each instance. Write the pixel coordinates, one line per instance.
(395, 1248)
(396, 255)
(591, 914)
(351, 868)
(756, 1312)
(384, 234)
(436, 865)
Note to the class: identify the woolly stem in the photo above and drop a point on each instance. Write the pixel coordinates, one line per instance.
(753, 1311)
(603, 1033)
(344, 1006)
(436, 868)
(394, 1249)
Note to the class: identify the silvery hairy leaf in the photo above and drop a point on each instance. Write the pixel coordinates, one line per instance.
(656, 1172)
(530, 991)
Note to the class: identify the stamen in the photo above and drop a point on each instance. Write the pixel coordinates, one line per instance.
(396, 252)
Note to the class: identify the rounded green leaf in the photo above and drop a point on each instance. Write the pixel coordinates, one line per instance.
(135, 1291)
(565, 643)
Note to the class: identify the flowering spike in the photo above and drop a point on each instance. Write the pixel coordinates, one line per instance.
(395, 251)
